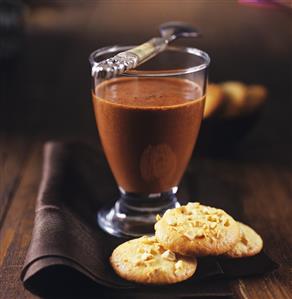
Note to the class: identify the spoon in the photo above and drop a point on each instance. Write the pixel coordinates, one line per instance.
(130, 59)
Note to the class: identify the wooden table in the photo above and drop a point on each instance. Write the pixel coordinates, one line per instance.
(45, 94)
(261, 193)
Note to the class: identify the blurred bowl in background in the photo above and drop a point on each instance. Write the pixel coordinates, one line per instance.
(232, 109)
(220, 136)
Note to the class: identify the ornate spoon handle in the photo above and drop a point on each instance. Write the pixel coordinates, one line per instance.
(130, 59)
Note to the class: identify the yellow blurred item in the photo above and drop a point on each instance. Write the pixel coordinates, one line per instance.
(233, 99)
(214, 99)
(256, 96)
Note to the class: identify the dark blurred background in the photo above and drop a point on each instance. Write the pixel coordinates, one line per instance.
(45, 74)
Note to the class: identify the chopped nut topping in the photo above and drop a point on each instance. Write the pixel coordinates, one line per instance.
(182, 209)
(197, 223)
(205, 210)
(191, 234)
(200, 233)
(193, 205)
(226, 222)
(141, 250)
(178, 272)
(169, 255)
(205, 226)
(195, 233)
(149, 240)
(139, 263)
(159, 246)
(213, 225)
(244, 240)
(158, 217)
(213, 211)
(220, 212)
(154, 272)
(146, 256)
(178, 265)
(179, 269)
(213, 218)
(171, 221)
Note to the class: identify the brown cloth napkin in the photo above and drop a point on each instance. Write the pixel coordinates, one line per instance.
(68, 254)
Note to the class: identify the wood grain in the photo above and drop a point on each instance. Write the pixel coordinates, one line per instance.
(13, 154)
(268, 207)
(260, 194)
(16, 230)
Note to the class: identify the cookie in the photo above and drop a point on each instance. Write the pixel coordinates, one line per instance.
(145, 261)
(235, 94)
(250, 243)
(214, 98)
(256, 97)
(197, 230)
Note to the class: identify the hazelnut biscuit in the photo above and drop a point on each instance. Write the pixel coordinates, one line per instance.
(256, 97)
(197, 230)
(235, 94)
(214, 99)
(250, 243)
(145, 261)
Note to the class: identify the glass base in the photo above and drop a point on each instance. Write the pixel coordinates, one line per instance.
(134, 214)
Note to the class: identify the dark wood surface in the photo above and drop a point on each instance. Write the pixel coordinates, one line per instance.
(259, 193)
(45, 94)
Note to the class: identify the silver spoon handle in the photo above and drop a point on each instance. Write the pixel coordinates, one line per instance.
(129, 59)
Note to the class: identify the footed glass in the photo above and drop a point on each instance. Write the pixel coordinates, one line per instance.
(148, 121)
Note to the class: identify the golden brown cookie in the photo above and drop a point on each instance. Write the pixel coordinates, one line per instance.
(197, 230)
(250, 243)
(214, 98)
(255, 98)
(235, 94)
(145, 261)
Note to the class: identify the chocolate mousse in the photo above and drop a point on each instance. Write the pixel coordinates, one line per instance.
(148, 128)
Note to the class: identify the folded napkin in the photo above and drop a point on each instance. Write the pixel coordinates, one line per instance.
(68, 254)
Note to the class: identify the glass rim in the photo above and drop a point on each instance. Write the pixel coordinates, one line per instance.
(156, 73)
